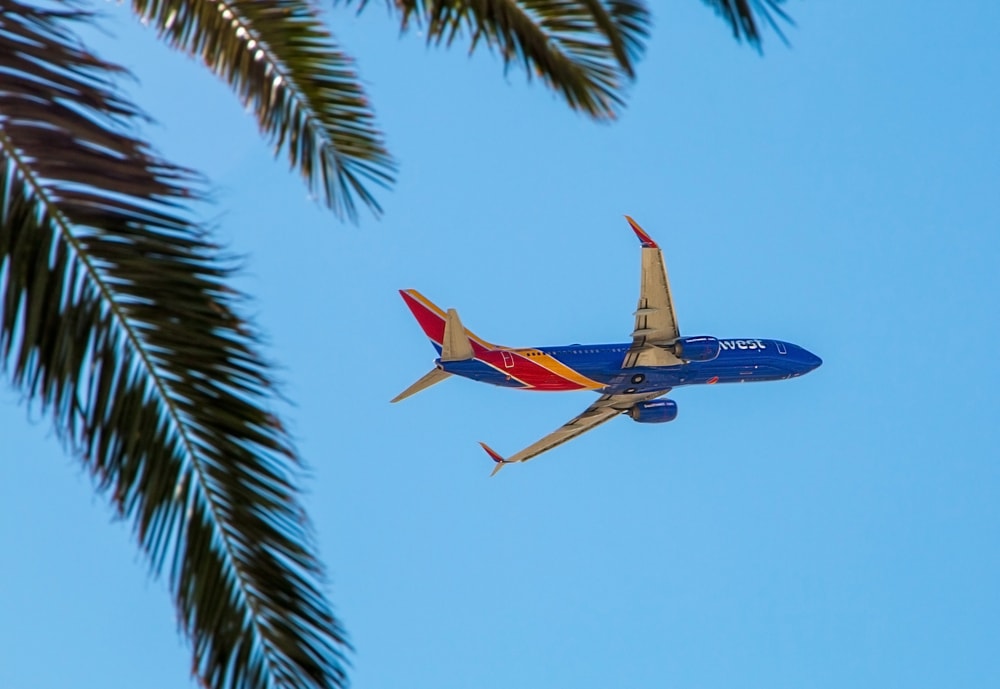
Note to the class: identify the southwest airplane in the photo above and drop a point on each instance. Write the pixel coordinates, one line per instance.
(630, 377)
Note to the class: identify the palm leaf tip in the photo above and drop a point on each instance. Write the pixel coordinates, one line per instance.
(745, 16)
(584, 50)
(115, 315)
(286, 68)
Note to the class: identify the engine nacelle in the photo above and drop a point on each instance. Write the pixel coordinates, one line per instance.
(701, 348)
(656, 411)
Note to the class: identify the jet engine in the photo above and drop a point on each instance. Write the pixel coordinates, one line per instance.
(656, 411)
(701, 348)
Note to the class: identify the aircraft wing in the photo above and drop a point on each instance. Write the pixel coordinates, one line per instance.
(655, 320)
(604, 409)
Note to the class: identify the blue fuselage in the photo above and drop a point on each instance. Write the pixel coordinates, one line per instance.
(739, 361)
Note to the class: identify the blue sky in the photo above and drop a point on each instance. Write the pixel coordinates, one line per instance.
(836, 530)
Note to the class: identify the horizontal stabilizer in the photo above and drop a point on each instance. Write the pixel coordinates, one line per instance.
(435, 376)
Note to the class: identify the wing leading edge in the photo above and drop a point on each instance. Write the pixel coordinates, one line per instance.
(604, 409)
(655, 319)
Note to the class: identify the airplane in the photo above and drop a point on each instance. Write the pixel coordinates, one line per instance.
(630, 377)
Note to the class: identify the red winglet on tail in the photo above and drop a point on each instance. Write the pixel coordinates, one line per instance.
(495, 456)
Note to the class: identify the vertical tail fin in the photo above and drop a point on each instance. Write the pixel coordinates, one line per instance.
(432, 321)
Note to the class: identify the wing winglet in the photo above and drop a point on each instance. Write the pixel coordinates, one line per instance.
(496, 457)
(647, 241)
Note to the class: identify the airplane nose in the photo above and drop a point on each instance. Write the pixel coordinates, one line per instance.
(811, 360)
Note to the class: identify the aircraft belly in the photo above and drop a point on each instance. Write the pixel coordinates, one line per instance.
(643, 379)
(732, 372)
(483, 373)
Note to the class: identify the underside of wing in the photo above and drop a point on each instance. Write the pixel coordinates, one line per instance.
(655, 319)
(604, 409)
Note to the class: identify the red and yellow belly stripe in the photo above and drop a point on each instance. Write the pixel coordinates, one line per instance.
(538, 370)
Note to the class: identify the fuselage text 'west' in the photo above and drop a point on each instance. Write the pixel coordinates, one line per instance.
(742, 344)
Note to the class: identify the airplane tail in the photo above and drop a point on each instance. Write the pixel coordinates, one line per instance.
(448, 335)
(432, 320)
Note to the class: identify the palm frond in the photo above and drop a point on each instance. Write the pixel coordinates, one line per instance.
(583, 49)
(285, 66)
(116, 318)
(744, 17)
